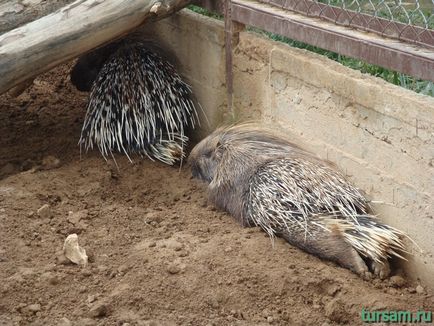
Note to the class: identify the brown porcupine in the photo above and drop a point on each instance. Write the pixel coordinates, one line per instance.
(262, 179)
(138, 102)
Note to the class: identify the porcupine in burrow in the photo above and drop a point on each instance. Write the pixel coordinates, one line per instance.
(262, 179)
(138, 102)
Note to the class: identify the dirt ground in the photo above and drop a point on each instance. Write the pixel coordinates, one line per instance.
(158, 253)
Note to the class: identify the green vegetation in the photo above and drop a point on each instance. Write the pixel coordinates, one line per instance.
(205, 12)
(396, 78)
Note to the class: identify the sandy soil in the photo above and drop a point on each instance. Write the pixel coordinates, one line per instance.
(159, 254)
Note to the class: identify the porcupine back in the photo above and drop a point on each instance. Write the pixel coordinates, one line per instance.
(300, 199)
(139, 104)
(262, 179)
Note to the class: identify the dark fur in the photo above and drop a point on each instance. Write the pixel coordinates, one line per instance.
(86, 69)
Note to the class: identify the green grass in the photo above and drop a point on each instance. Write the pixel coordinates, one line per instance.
(396, 78)
(420, 86)
(205, 12)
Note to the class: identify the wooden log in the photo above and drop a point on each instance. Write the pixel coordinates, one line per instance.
(14, 13)
(39, 46)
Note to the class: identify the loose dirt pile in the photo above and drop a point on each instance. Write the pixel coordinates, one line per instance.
(158, 253)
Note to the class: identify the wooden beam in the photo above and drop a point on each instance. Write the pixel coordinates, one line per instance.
(39, 46)
(14, 13)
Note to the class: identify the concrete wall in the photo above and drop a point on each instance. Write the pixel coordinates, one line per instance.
(380, 135)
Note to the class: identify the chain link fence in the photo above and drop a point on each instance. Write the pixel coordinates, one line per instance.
(410, 21)
(403, 55)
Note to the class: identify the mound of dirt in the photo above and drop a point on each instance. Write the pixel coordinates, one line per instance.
(158, 253)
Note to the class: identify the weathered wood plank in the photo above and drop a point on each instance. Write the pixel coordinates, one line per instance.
(39, 46)
(14, 13)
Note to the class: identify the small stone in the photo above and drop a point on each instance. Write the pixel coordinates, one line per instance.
(64, 322)
(86, 272)
(228, 249)
(31, 214)
(26, 271)
(91, 298)
(50, 278)
(99, 310)
(152, 244)
(173, 269)
(20, 307)
(336, 311)
(102, 268)
(397, 281)
(183, 253)
(173, 244)
(17, 277)
(213, 302)
(73, 251)
(50, 162)
(34, 307)
(90, 256)
(73, 218)
(270, 319)
(44, 211)
(153, 216)
(420, 289)
(123, 269)
(53, 280)
(392, 291)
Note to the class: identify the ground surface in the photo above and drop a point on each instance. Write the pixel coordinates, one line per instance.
(159, 254)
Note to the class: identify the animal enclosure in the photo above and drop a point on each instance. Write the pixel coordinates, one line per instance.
(159, 253)
(314, 98)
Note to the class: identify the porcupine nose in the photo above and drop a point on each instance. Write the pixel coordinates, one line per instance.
(195, 171)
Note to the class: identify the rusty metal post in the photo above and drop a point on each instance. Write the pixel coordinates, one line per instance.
(232, 30)
(228, 55)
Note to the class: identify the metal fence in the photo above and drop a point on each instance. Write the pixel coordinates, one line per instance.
(392, 34)
(411, 21)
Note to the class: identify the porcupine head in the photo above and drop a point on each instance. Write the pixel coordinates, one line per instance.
(250, 170)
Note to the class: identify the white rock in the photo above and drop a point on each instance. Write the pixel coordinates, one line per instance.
(73, 251)
(44, 211)
(420, 289)
(76, 217)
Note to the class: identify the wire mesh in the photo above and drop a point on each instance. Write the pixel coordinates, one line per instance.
(411, 21)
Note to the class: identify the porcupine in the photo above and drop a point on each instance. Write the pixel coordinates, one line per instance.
(138, 102)
(262, 179)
